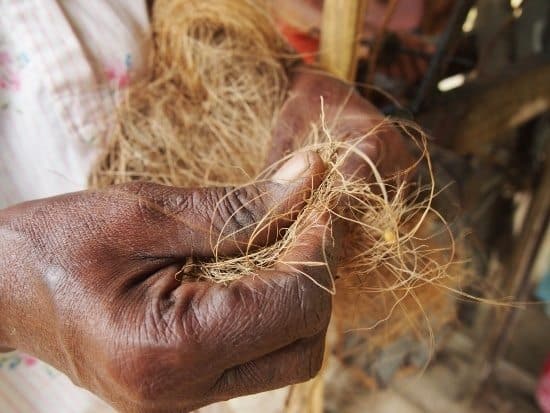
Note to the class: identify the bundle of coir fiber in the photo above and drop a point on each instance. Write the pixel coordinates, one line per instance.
(203, 116)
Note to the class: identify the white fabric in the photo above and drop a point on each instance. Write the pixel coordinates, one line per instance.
(61, 64)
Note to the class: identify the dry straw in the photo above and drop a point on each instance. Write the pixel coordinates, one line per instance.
(205, 113)
(203, 117)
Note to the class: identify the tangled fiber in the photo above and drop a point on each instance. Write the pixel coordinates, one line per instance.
(203, 117)
(204, 114)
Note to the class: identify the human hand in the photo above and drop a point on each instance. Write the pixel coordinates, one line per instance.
(348, 116)
(88, 284)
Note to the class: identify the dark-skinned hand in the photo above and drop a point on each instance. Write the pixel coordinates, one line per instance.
(347, 115)
(88, 283)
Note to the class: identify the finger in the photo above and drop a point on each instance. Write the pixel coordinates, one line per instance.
(257, 315)
(379, 139)
(225, 221)
(302, 110)
(291, 128)
(296, 363)
(360, 157)
(310, 254)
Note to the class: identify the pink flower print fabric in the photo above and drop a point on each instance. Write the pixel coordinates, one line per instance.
(118, 73)
(11, 67)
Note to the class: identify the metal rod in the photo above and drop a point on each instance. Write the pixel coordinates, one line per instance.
(445, 46)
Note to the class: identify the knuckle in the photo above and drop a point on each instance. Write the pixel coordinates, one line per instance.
(154, 202)
(240, 207)
(141, 196)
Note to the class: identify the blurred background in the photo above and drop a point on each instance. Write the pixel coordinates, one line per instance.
(476, 76)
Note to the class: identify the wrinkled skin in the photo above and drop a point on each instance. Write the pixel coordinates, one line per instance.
(347, 115)
(88, 281)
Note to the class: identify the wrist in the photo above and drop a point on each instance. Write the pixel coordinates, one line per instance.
(5, 342)
(25, 301)
(11, 253)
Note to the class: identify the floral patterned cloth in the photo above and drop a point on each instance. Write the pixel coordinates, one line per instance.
(27, 385)
(61, 65)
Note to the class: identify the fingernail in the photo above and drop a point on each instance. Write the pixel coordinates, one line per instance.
(293, 169)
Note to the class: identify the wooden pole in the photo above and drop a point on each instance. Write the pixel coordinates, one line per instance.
(341, 27)
(340, 31)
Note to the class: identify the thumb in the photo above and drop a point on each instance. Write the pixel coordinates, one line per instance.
(226, 221)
